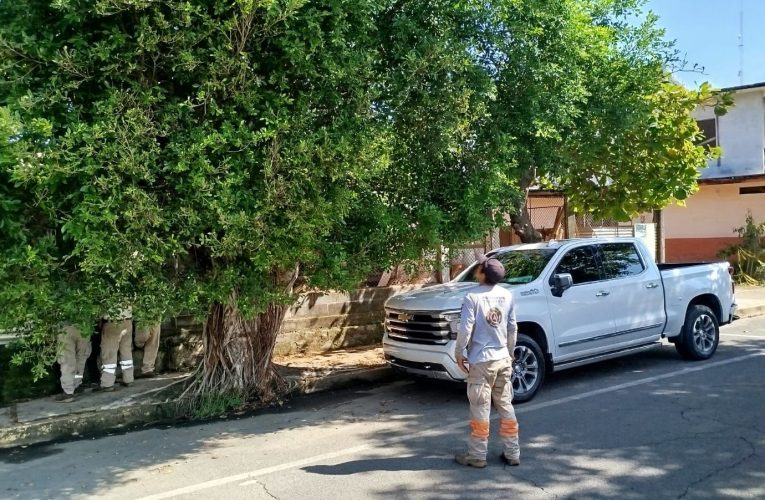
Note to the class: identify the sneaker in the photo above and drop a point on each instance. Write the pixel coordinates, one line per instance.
(510, 461)
(104, 389)
(64, 398)
(465, 459)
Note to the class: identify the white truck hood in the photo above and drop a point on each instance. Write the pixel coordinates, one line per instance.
(446, 297)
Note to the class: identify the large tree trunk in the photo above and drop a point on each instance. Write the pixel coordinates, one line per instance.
(238, 352)
(521, 220)
(522, 226)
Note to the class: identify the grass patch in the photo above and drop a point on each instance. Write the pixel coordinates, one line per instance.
(213, 405)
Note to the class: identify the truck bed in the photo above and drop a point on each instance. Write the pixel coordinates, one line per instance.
(692, 279)
(678, 265)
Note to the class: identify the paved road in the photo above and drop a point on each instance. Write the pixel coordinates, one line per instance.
(646, 426)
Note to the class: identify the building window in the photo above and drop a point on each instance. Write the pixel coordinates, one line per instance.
(709, 132)
(752, 190)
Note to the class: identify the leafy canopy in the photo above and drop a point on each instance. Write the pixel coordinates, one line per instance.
(164, 153)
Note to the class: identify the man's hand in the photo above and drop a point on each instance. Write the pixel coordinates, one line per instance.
(462, 363)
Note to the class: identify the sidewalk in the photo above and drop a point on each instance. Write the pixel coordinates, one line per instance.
(148, 401)
(750, 300)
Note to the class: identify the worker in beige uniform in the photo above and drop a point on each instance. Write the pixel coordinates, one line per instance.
(485, 340)
(73, 352)
(117, 345)
(147, 338)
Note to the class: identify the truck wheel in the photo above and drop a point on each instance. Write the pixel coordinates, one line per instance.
(528, 368)
(700, 335)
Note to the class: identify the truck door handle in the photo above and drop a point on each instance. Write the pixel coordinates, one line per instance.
(652, 285)
(602, 293)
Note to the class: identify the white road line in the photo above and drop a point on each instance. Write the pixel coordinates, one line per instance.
(247, 477)
(641, 381)
(742, 336)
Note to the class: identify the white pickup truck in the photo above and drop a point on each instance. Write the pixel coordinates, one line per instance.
(577, 302)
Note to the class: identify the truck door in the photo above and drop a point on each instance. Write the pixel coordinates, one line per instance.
(636, 292)
(582, 315)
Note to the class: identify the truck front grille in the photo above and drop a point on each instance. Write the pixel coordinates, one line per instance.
(417, 327)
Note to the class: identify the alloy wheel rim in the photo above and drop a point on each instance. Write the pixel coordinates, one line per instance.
(525, 370)
(704, 333)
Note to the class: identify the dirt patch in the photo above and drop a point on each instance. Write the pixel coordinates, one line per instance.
(332, 361)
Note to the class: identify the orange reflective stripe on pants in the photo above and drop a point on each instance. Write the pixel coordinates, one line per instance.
(508, 428)
(479, 428)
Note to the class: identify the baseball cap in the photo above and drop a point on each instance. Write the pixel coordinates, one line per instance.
(492, 268)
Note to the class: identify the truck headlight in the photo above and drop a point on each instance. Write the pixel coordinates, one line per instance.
(454, 323)
(454, 329)
(451, 316)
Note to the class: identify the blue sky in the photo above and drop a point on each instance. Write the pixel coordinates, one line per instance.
(707, 32)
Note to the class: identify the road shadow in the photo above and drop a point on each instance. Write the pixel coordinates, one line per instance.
(412, 463)
(672, 438)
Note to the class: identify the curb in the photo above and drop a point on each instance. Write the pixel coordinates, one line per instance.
(94, 423)
(79, 425)
(750, 312)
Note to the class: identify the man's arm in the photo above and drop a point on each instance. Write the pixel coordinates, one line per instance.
(467, 322)
(512, 327)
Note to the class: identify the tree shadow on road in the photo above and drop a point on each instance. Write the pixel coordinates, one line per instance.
(411, 463)
(699, 434)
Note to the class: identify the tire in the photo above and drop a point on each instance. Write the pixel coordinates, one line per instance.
(700, 335)
(529, 368)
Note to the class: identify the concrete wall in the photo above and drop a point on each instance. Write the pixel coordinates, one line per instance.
(318, 322)
(705, 225)
(322, 321)
(741, 134)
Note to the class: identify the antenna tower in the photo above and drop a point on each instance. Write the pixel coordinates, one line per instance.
(741, 43)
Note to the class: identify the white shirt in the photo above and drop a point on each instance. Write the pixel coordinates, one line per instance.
(487, 325)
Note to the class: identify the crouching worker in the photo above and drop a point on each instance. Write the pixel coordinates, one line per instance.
(486, 338)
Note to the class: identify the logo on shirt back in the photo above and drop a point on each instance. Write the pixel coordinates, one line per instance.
(494, 316)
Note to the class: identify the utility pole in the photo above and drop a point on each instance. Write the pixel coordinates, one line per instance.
(741, 43)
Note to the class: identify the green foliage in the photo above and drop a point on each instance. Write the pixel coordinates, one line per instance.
(748, 257)
(169, 155)
(585, 104)
(18, 381)
(165, 154)
(211, 405)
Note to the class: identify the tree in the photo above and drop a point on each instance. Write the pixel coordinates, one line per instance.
(586, 105)
(218, 157)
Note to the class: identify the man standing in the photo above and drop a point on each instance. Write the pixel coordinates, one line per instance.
(147, 338)
(486, 338)
(117, 341)
(73, 352)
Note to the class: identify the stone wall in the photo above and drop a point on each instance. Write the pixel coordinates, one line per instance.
(318, 322)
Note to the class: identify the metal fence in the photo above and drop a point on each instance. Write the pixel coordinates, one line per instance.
(549, 220)
(461, 258)
(589, 227)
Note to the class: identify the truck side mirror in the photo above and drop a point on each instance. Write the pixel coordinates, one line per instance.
(560, 283)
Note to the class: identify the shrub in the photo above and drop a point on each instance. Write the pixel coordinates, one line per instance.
(748, 257)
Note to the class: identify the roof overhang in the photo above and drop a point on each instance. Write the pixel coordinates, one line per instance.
(744, 88)
(734, 179)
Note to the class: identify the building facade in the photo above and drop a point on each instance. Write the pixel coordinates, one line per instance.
(729, 187)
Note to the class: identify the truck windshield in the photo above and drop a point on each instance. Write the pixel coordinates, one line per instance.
(521, 266)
